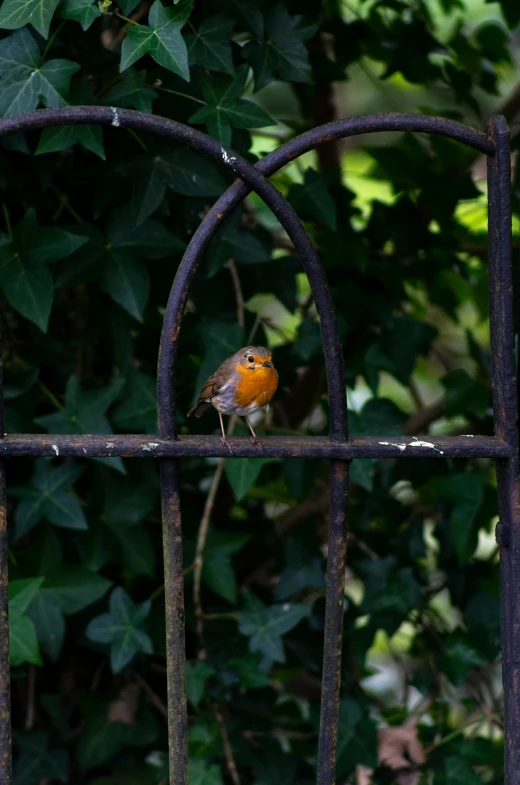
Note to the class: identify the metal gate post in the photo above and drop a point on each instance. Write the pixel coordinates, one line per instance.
(505, 407)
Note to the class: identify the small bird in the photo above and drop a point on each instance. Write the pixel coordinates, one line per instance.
(243, 384)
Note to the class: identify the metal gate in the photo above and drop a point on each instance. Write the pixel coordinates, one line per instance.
(169, 448)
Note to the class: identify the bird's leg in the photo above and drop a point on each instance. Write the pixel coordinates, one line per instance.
(255, 438)
(224, 439)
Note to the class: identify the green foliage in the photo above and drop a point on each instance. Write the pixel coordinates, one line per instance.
(93, 224)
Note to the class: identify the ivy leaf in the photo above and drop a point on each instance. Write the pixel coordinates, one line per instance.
(26, 79)
(48, 498)
(313, 198)
(83, 11)
(63, 137)
(265, 625)
(21, 593)
(151, 239)
(458, 657)
(38, 13)
(235, 243)
(217, 572)
(28, 286)
(162, 39)
(44, 244)
(301, 571)
(53, 140)
(129, 502)
(127, 281)
(74, 588)
(357, 738)
(23, 641)
(210, 46)
(242, 474)
(465, 491)
(226, 109)
(85, 412)
(282, 53)
(138, 408)
(459, 772)
(184, 172)
(202, 773)
(49, 623)
(121, 629)
(131, 92)
(36, 761)
(466, 395)
(197, 674)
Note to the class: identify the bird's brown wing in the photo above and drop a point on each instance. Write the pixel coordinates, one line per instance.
(210, 389)
(214, 384)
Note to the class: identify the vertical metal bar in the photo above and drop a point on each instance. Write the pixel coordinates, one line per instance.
(333, 635)
(5, 676)
(505, 412)
(174, 603)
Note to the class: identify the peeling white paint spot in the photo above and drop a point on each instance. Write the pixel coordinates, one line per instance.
(110, 445)
(115, 114)
(149, 446)
(228, 159)
(425, 444)
(468, 435)
(85, 450)
(391, 444)
(56, 449)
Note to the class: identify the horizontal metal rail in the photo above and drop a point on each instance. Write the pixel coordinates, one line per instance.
(138, 446)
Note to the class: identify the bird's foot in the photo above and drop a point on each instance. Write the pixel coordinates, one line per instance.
(256, 441)
(227, 444)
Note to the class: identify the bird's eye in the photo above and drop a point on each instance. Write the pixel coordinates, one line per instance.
(250, 359)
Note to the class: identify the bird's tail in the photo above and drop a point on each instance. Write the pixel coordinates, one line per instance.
(199, 409)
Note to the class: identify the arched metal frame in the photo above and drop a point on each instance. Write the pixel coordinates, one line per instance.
(168, 447)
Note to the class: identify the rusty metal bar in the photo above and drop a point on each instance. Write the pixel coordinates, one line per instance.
(148, 446)
(333, 632)
(505, 407)
(175, 637)
(5, 677)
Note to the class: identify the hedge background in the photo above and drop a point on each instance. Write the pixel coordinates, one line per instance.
(94, 222)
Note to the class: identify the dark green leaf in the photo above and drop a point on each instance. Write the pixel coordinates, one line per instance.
(131, 92)
(265, 625)
(37, 762)
(121, 629)
(127, 281)
(75, 588)
(210, 46)
(26, 80)
(202, 773)
(83, 11)
(48, 620)
(23, 641)
(197, 674)
(38, 13)
(242, 474)
(162, 40)
(282, 53)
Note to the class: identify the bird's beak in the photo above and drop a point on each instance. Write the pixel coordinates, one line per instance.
(267, 364)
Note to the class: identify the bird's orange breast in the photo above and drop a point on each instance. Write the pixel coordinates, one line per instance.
(255, 386)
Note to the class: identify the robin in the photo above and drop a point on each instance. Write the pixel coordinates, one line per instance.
(243, 384)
